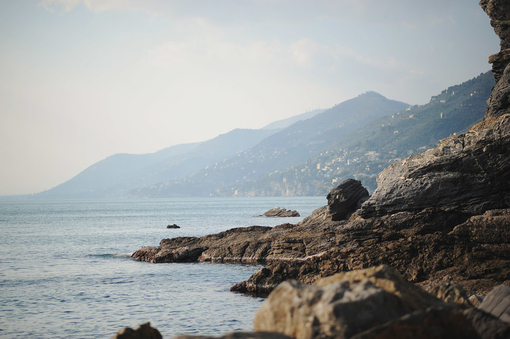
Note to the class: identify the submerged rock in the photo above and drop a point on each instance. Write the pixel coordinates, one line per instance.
(173, 226)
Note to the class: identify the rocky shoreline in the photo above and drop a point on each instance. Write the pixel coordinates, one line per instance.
(425, 247)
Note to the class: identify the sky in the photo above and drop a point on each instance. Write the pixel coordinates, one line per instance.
(81, 80)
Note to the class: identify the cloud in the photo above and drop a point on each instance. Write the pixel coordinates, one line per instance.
(98, 6)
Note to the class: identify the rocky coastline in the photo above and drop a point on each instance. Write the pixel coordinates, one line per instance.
(427, 246)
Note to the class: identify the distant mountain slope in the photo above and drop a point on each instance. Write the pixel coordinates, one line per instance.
(118, 174)
(363, 153)
(281, 124)
(288, 147)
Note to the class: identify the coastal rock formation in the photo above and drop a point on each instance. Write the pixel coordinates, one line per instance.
(280, 212)
(441, 219)
(469, 173)
(343, 201)
(350, 304)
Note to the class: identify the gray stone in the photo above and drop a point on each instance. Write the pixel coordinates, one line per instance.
(340, 306)
(497, 303)
(280, 212)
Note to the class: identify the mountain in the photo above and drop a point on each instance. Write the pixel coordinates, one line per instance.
(293, 145)
(284, 123)
(364, 152)
(118, 174)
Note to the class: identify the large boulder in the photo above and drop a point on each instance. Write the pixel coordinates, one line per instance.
(342, 305)
(374, 303)
(343, 201)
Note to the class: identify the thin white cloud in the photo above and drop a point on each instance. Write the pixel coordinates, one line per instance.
(98, 6)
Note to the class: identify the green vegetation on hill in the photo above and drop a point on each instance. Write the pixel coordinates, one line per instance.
(366, 151)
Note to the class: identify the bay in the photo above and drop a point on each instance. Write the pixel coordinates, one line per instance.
(66, 272)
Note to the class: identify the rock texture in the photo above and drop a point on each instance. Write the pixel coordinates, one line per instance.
(428, 248)
(370, 303)
(469, 173)
(497, 303)
(280, 212)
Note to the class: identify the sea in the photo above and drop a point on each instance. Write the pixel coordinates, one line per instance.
(66, 271)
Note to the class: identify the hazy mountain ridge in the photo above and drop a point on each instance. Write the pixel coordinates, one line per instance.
(356, 138)
(292, 145)
(118, 174)
(284, 123)
(365, 152)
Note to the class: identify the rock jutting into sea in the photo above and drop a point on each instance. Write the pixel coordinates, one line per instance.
(280, 212)
(440, 220)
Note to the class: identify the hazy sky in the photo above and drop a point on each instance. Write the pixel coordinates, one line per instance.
(84, 79)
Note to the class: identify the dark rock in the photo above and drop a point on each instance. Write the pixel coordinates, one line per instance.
(469, 173)
(497, 303)
(343, 200)
(239, 335)
(280, 212)
(173, 226)
(422, 246)
(144, 331)
(440, 323)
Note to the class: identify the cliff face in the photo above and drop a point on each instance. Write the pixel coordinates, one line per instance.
(469, 173)
(498, 11)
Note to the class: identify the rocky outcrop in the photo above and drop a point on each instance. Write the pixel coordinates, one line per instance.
(469, 173)
(343, 201)
(370, 303)
(427, 248)
(280, 212)
(144, 331)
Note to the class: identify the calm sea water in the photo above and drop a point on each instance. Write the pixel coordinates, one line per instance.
(65, 270)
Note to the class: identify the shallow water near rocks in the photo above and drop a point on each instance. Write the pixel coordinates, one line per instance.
(65, 270)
